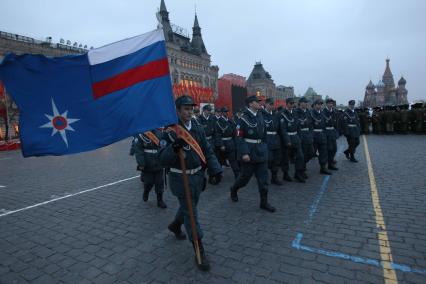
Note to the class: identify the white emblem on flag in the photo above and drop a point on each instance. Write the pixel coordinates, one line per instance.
(59, 123)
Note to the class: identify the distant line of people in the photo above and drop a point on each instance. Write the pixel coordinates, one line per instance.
(393, 119)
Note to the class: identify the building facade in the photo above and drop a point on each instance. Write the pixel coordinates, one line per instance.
(311, 95)
(260, 82)
(190, 64)
(384, 93)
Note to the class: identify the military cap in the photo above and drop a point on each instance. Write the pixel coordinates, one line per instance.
(329, 101)
(207, 107)
(269, 101)
(303, 100)
(289, 100)
(351, 102)
(224, 109)
(184, 100)
(252, 99)
(318, 102)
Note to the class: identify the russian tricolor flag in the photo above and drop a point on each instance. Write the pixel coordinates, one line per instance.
(78, 103)
(126, 63)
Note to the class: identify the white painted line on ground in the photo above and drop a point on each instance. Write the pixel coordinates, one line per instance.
(63, 197)
(2, 186)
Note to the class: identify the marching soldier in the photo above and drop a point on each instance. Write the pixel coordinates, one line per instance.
(305, 132)
(416, 118)
(351, 128)
(389, 120)
(146, 150)
(423, 110)
(376, 120)
(224, 140)
(330, 116)
(404, 119)
(289, 127)
(198, 154)
(252, 152)
(206, 120)
(236, 117)
(272, 139)
(319, 136)
(363, 120)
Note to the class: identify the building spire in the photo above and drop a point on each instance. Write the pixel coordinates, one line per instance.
(165, 21)
(197, 40)
(388, 76)
(163, 6)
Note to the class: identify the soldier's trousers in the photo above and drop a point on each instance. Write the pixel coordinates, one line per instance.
(353, 142)
(389, 128)
(295, 150)
(260, 170)
(231, 156)
(274, 159)
(151, 179)
(196, 182)
(331, 148)
(320, 145)
(308, 151)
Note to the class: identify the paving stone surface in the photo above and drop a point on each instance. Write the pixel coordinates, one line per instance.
(107, 234)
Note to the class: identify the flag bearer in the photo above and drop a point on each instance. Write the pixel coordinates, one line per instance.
(198, 154)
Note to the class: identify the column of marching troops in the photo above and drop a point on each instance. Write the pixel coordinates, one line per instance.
(255, 141)
(394, 119)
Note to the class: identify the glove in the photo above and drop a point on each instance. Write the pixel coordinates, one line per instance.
(215, 179)
(178, 144)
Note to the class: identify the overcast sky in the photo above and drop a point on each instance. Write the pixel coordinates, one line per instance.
(335, 46)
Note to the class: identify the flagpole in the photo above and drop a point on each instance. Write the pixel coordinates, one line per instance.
(7, 134)
(189, 204)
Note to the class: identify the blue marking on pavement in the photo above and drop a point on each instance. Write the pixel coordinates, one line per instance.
(369, 261)
(314, 205)
(405, 268)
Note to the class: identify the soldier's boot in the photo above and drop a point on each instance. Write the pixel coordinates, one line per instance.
(264, 203)
(303, 174)
(205, 264)
(175, 228)
(299, 177)
(287, 177)
(346, 152)
(332, 167)
(352, 159)
(234, 193)
(160, 202)
(324, 171)
(274, 178)
(145, 195)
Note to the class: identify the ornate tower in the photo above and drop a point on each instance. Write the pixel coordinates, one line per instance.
(369, 97)
(165, 21)
(380, 93)
(388, 77)
(197, 43)
(401, 92)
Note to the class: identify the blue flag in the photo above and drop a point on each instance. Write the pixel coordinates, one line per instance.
(79, 103)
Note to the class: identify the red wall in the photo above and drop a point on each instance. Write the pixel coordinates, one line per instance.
(224, 97)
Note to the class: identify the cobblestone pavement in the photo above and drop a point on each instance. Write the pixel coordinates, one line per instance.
(81, 219)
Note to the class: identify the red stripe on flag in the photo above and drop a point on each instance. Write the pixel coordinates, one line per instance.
(151, 70)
